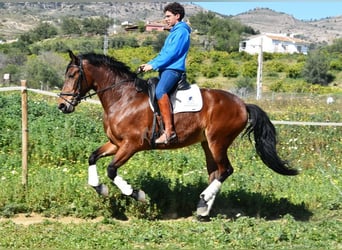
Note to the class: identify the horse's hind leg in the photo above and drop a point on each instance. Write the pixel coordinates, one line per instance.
(107, 149)
(219, 168)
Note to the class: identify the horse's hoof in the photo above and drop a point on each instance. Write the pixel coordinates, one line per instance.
(139, 195)
(102, 189)
(201, 218)
(202, 208)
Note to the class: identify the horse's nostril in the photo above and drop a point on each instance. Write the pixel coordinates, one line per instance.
(61, 106)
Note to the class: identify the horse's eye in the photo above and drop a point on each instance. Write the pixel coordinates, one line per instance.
(71, 75)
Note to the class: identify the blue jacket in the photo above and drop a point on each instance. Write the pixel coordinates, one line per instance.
(175, 49)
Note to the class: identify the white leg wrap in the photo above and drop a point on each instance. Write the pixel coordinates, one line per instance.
(125, 188)
(93, 178)
(209, 204)
(211, 190)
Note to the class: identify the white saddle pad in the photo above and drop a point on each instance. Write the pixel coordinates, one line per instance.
(189, 100)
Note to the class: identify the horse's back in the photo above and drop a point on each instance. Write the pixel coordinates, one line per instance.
(222, 105)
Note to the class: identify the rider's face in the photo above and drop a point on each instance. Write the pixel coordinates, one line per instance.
(171, 19)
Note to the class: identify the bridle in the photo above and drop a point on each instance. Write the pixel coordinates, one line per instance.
(77, 94)
(77, 97)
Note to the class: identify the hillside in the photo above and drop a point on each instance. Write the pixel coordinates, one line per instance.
(17, 18)
(317, 31)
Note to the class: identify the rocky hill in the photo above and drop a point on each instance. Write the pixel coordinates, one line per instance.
(268, 21)
(17, 18)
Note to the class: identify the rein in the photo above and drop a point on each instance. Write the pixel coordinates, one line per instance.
(105, 89)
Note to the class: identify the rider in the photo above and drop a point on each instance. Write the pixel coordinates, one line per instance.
(170, 63)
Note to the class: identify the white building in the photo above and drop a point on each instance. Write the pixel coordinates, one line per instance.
(273, 43)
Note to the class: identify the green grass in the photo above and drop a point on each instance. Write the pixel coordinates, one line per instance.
(256, 208)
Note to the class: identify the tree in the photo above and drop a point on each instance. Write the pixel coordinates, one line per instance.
(40, 73)
(223, 33)
(316, 68)
(43, 31)
(71, 26)
(159, 42)
(98, 26)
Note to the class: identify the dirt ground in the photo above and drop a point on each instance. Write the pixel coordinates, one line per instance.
(28, 219)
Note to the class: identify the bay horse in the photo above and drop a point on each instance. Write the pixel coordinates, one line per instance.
(128, 120)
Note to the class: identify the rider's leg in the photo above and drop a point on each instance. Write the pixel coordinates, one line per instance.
(165, 110)
(168, 79)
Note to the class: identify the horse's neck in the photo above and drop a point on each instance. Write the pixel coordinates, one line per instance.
(117, 95)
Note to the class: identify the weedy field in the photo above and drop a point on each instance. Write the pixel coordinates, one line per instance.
(256, 208)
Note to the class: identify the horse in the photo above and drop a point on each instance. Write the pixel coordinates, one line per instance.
(128, 124)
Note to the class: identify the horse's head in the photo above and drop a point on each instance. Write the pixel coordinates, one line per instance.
(75, 85)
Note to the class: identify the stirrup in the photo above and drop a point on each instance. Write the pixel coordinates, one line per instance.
(167, 139)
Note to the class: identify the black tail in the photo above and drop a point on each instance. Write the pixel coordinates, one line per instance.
(265, 140)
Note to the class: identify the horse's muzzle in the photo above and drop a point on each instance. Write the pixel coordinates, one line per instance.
(66, 107)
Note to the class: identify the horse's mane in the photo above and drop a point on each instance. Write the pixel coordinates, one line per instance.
(110, 62)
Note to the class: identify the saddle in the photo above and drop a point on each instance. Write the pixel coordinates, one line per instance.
(149, 87)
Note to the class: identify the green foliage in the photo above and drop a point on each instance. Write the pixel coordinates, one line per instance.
(245, 83)
(230, 70)
(119, 42)
(97, 26)
(71, 26)
(335, 47)
(336, 64)
(294, 71)
(249, 69)
(42, 31)
(43, 71)
(224, 32)
(254, 203)
(209, 72)
(275, 66)
(316, 68)
(159, 42)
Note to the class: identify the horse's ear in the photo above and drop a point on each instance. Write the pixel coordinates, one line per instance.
(74, 59)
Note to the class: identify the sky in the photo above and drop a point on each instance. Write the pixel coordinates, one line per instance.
(302, 10)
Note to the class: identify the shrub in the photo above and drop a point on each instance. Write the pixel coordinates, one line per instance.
(275, 66)
(249, 69)
(230, 70)
(294, 71)
(246, 83)
(316, 68)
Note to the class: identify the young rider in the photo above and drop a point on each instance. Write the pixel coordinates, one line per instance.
(170, 63)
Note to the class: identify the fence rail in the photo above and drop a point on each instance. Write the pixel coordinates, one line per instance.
(296, 123)
(24, 90)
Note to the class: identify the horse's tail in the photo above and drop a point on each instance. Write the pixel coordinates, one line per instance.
(265, 140)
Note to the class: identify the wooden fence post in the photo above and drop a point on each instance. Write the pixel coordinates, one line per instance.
(24, 133)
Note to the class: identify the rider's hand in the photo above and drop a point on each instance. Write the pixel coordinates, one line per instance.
(146, 67)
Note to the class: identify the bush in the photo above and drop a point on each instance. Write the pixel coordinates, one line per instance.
(316, 68)
(209, 71)
(275, 66)
(294, 71)
(249, 69)
(245, 83)
(230, 70)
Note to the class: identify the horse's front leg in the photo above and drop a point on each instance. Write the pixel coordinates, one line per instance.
(122, 154)
(107, 149)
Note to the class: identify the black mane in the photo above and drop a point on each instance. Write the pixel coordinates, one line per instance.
(110, 62)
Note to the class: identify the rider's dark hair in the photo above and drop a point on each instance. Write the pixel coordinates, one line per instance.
(175, 8)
